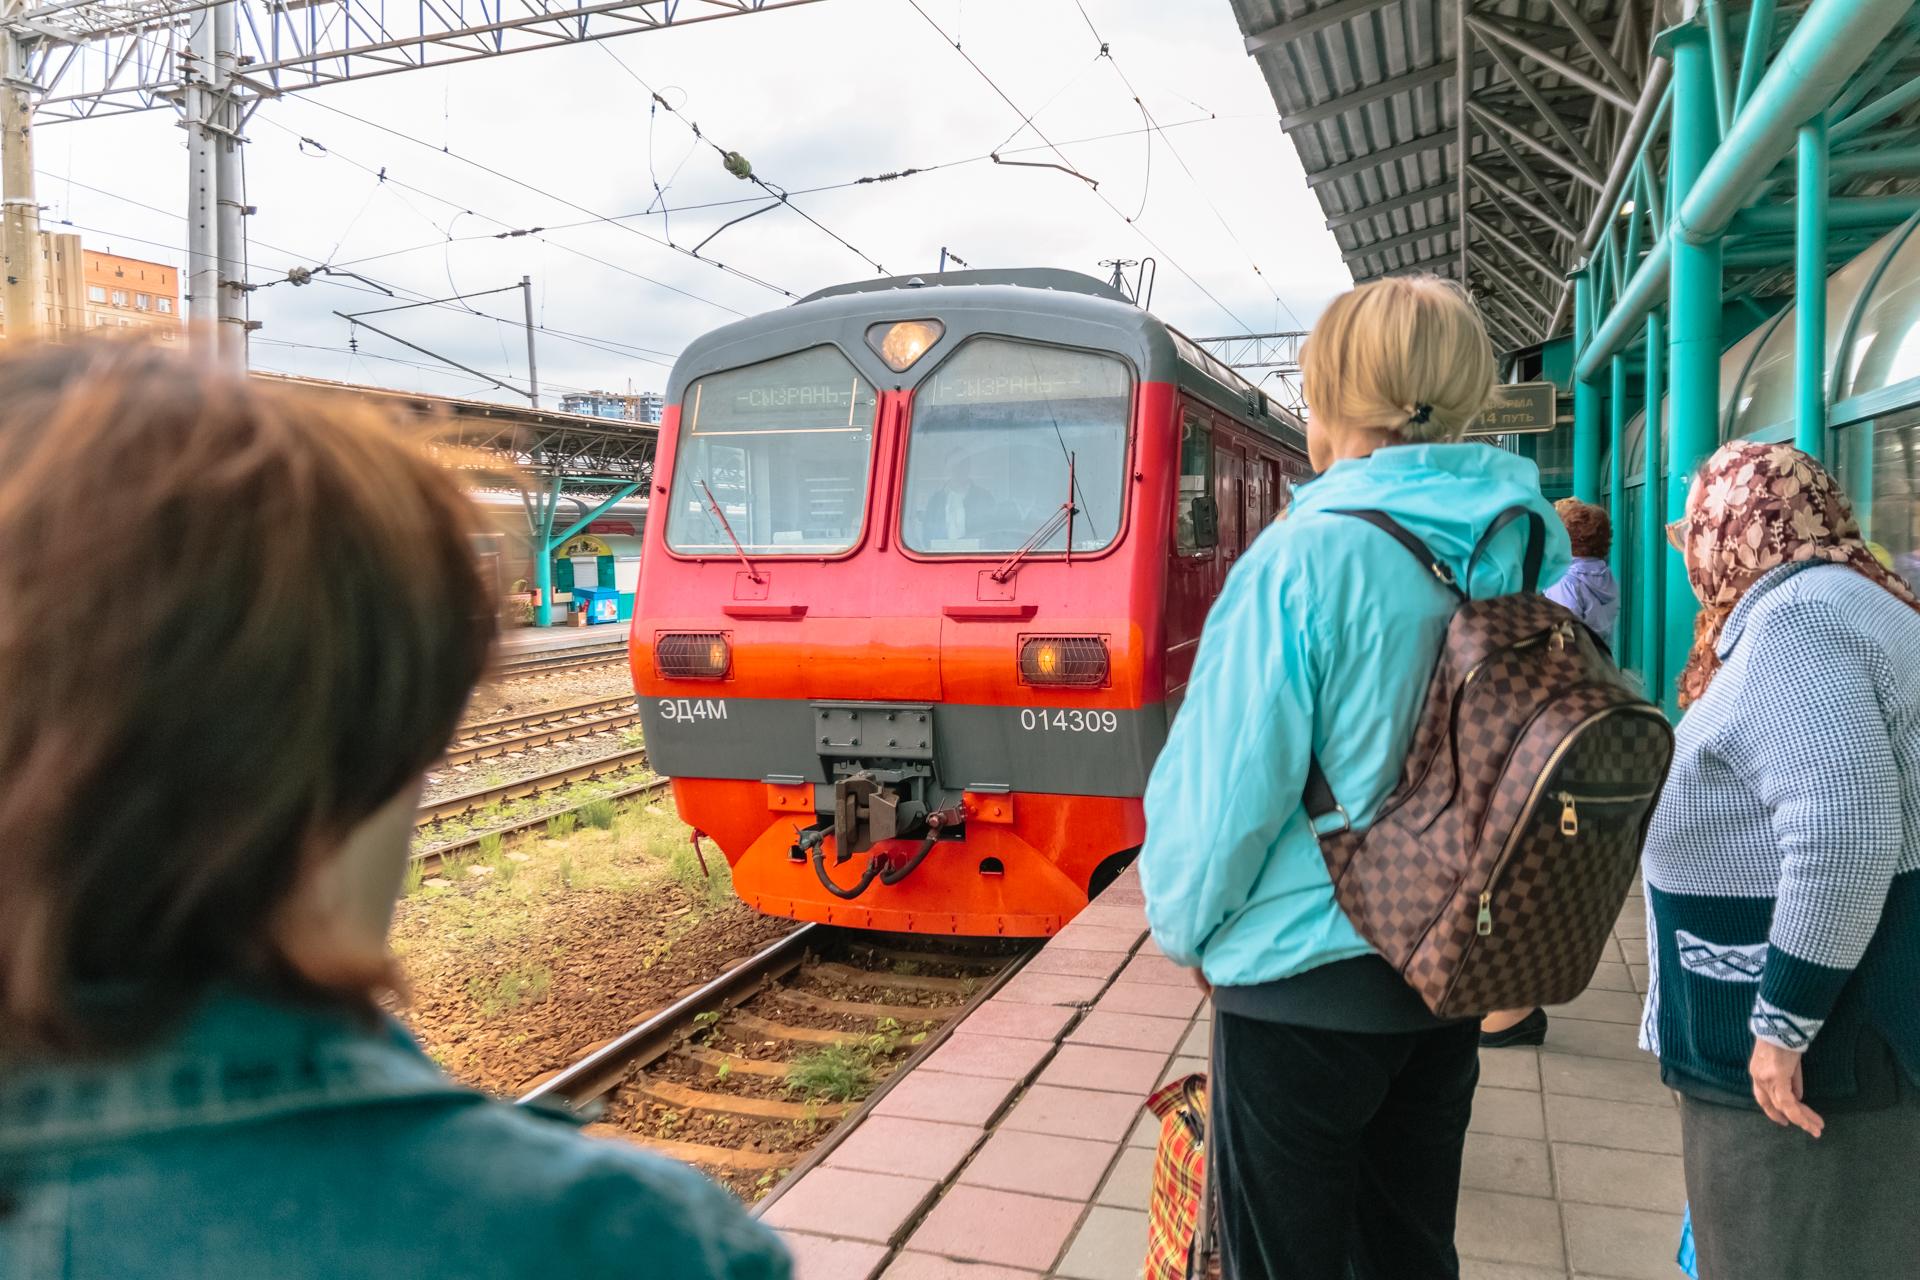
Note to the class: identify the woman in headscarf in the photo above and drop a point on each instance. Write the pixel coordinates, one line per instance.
(1783, 883)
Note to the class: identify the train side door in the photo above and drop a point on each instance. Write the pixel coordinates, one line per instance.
(1261, 473)
(1229, 488)
(1196, 541)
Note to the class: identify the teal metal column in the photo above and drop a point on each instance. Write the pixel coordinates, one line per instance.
(1586, 396)
(1694, 307)
(1617, 483)
(542, 544)
(1810, 292)
(1649, 611)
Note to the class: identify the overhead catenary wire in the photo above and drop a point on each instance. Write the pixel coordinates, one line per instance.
(1068, 166)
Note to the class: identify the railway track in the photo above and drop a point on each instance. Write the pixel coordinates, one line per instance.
(555, 662)
(505, 735)
(431, 858)
(756, 1075)
(471, 801)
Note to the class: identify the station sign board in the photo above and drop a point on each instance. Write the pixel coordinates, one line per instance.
(1519, 408)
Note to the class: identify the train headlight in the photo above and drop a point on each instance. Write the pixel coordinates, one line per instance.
(902, 342)
(1067, 660)
(692, 655)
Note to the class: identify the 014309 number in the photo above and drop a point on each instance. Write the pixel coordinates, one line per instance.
(1055, 720)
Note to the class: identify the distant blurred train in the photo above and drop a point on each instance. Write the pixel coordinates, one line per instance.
(924, 586)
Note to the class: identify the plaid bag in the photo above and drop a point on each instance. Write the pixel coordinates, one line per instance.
(1179, 1178)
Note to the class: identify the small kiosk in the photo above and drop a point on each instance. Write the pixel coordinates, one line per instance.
(605, 572)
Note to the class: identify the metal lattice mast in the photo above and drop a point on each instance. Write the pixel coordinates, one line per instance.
(21, 275)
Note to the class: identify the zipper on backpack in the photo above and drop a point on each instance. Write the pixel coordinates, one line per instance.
(1570, 806)
(1484, 924)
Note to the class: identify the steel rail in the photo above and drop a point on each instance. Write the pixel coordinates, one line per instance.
(455, 806)
(552, 661)
(503, 742)
(431, 858)
(604, 1068)
(535, 719)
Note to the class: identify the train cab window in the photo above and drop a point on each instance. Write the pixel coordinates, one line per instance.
(994, 430)
(782, 449)
(1195, 526)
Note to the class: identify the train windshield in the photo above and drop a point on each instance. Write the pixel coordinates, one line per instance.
(994, 433)
(773, 457)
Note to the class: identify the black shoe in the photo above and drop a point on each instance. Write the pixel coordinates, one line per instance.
(1530, 1030)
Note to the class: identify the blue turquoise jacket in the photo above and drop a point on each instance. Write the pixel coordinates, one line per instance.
(267, 1141)
(1322, 642)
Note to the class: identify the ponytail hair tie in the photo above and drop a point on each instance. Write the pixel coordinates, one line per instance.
(1421, 413)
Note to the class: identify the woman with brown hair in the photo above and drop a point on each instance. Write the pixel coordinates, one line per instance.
(1783, 883)
(238, 625)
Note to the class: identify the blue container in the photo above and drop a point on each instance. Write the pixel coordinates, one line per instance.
(601, 604)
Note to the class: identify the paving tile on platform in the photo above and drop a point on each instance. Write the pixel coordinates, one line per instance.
(1084, 936)
(1517, 1068)
(1631, 1244)
(1198, 1040)
(1628, 1179)
(1040, 1164)
(1003, 1057)
(859, 1205)
(909, 1148)
(1594, 1039)
(1154, 968)
(1072, 1113)
(1612, 1078)
(1480, 1269)
(1145, 1132)
(1050, 988)
(1506, 1228)
(1129, 1031)
(1073, 963)
(1516, 1166)
(948, 1099)
(1611, 975)
(1183, 1067)
(1596, 1005)
(1155, 999)
(925, 1266)
(1110, 1245)
(1642, 974)
(1085, 1066)
(1507, 1113)
(982, 1225)
(1129, 1184)
(1624, 1126)
(825, 1258)
(1003, 1017)
(1114, 915)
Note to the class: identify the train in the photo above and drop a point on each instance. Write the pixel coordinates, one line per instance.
(922, 585)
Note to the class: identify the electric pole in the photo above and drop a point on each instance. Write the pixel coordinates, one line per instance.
(533, 375)
(22, 291)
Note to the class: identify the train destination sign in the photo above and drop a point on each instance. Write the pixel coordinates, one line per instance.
(1520, 408)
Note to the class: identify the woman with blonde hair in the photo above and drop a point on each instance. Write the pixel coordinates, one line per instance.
(1340, 1103)
(239, 624)
(1783, 883)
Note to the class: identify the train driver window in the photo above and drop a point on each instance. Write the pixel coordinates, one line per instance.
(782, 449)
(1195, 526)
(994, 431)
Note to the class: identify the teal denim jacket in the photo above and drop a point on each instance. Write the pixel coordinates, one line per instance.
(268, 1142)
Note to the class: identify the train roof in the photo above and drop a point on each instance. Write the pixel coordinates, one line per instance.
(1038, 304)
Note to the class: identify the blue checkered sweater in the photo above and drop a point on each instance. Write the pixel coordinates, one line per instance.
(1783, 862)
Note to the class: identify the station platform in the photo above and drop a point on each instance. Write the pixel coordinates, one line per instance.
(1021, 1149)
(517, 642)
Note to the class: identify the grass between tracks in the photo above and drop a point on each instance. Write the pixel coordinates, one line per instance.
(520, 950)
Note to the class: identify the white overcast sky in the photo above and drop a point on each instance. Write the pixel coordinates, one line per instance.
(812, 95)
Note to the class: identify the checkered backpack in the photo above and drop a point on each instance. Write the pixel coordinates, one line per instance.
(1495, 870)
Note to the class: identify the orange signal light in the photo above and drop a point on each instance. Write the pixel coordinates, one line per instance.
(692, 655)
(902, 342)
(1064, 660)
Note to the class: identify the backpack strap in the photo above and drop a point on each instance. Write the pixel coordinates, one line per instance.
(1320, 804)
(1418, 549)
(1536, 546)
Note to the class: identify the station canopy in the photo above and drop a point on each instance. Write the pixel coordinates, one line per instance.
(1550, 114)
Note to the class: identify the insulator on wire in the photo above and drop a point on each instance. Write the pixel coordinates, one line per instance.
(737, 165)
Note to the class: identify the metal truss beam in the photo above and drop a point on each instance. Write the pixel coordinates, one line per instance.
(1491, 31)
(1438, 73)
(1546, 110)
(1373, 209)
(1360, 164)
(1257, 350)
(1308, 23)
(1434, 232)
(1494, 184)
(101, 58)
(1526, 139)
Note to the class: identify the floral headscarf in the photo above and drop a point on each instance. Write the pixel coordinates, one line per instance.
(1755, 507)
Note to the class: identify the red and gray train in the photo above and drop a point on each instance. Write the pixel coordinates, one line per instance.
(923, 581)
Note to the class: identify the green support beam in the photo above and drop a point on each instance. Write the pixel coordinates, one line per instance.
(1617, 482)
(1694, 307)
(1810, 293)
(1652, 549)
(1586, 395)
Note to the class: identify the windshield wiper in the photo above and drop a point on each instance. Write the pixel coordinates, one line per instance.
(1063, 515)
(713, 504)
